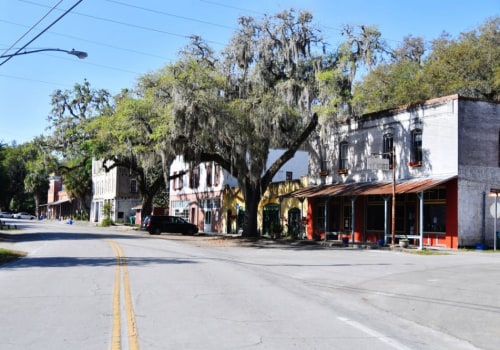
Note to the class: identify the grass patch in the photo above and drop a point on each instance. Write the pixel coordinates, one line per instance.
(428, 252)
(7, 255)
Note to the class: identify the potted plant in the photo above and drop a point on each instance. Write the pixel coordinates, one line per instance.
(345, 240)
(415, 164)
(404, 242)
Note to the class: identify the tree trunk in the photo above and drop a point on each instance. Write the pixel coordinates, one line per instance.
(147, 205)
(252, 199)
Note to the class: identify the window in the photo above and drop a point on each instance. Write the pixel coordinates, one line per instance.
(375, 216)
(178, 180)
(319, 222)
(133, 186)
(434, 217)
(388, 147)
(208, 169)
(324, 158)
(289, 176)
(194, 177)
(217, 174)
(347, 217)
(416, 145)
(210, 203)
(181, 209)
(343, 155)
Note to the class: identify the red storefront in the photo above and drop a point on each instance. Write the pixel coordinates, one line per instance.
(425, 211)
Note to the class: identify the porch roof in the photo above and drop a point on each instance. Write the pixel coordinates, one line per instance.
(370, 188)
(59, 202)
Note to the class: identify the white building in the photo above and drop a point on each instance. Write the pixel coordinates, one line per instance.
(116, 187)
(447, 161)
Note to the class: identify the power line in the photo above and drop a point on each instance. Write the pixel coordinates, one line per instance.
(130, 24)
(33, 80)
(92, 42)
(171, 15)
(43, 31)
(231, 7)
(32, 27)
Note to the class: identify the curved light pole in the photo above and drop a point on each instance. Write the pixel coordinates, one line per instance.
(79, 54)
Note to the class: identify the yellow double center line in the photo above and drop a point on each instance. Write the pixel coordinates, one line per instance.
(121, 264)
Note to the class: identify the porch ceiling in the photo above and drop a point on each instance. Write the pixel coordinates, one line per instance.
(370, 188)
(59, 202)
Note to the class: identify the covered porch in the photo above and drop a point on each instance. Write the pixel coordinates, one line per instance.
(424, 211)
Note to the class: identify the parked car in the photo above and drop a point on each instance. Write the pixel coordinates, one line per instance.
(24, 215)
(6, 215)
(157, 224)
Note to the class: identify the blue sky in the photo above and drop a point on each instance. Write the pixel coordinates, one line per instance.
(126, 39)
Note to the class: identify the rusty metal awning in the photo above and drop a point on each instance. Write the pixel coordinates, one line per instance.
(370, 188)
(59, 202)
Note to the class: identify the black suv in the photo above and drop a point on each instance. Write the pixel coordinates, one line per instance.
(157, 224)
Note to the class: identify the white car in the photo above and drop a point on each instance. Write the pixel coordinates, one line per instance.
(6, 215)
(24, 215)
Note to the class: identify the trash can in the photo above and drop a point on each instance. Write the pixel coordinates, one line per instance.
(132, 219)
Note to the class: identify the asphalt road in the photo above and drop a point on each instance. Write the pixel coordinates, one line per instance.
(83, 287)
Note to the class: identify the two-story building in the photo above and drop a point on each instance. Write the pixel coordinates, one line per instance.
(59, 204)
(436, 161)
(207, 195)
(116, 187)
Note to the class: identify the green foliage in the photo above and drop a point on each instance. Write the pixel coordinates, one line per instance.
(140, 138)
(7, 255)
(468, 65)
(259, 95)
(16, 165)
(106, 222)
(73, 140)
(363, 47)
(107, 210)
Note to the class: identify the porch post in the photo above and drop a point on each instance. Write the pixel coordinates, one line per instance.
(327, 202)
(353, 220)
(421, 219)
(301, 224)
(386, 215)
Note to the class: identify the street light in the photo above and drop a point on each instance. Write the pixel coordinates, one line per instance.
(79, 54)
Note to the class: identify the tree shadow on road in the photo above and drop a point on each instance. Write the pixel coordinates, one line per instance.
(64, 262)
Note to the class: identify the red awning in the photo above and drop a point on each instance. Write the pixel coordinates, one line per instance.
(370, 188)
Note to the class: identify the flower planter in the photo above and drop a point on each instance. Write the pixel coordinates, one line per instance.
(403, 243)
(414, 164)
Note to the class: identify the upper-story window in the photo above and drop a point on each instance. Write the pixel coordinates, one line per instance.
(178, 180)
(133, 186)
(217, 174)
(416, 145)
(343, 154)
(194, 177)
(208, 170)
(388, 146)
(324, 158)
